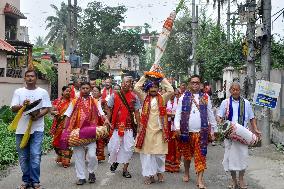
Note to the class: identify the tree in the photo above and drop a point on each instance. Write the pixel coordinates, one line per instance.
(39, 41)
(57, 26)
(214, 53)
(176, 58)
(100, 34)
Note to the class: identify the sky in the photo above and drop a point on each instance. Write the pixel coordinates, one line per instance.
(154, 12)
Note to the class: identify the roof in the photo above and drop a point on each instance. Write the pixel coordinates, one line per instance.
(20, 44)
(13, 11)
(6, 46)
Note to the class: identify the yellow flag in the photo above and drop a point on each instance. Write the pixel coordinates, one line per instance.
(13, 126)
(26, 136)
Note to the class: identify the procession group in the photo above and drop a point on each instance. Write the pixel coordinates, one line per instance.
(163, 124)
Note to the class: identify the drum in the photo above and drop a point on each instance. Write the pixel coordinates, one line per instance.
(237, 132)
(75, 140)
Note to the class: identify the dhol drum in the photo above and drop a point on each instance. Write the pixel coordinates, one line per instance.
(76, 140)
(237, 132)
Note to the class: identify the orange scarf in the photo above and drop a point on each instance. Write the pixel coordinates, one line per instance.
(145, 117)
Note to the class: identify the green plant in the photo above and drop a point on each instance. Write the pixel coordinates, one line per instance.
(45, 67)
(8, 152)
(6, 114)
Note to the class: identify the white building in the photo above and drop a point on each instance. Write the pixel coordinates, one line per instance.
(120, 63)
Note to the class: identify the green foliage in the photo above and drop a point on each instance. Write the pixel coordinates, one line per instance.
(57, 25)
(45, 67)
(8, 153)
(277, 54)
(100, 34)
(176, 57)
(6, 114)
(39, 41)
(214, 53)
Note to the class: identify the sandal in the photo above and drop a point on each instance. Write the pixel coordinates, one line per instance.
(37, 186)
(113, 167)
(126, 174)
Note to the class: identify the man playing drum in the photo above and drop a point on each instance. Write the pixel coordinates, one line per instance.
(237, 110)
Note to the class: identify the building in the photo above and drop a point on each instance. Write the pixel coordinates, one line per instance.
(122, 64)
(15, 50)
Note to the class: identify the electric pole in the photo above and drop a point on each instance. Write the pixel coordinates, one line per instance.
(251, 18)
(265, 68)
(228, 22)
(69, 20)
(194, 25)
(75, 28)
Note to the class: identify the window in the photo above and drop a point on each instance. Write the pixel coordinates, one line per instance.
(129, 62)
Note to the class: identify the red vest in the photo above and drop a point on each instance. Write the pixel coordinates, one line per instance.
(120, 114)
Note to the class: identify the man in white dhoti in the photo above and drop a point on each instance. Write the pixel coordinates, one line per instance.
(236, 110)
(123, 103)
(153, 135)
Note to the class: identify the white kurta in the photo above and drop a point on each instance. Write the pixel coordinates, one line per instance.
(236, 153)
(152, 154)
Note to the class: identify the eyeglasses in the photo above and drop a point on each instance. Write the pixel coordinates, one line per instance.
(195, 82)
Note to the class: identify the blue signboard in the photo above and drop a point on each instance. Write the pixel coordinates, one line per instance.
(267, 101)
(266, 93)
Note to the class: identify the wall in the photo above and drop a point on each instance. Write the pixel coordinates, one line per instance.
(11, 84)
(64, 73)
(120, 61)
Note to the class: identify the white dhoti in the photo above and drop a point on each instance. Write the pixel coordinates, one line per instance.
(236, 156)
(121, 148)
(152, 164)
(80, 159)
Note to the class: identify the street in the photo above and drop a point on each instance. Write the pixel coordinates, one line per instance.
(263, 173)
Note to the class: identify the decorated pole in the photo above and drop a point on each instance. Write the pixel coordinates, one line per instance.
(164, 36)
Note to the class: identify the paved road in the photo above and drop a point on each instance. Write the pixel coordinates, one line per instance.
(56, 177)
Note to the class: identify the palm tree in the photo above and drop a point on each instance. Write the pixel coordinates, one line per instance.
(220, 4)
(39, 41)
(57, 25)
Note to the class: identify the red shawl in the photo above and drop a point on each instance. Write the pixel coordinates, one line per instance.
(120, 115)
(58, 121)
(83, 110)
(145, 116)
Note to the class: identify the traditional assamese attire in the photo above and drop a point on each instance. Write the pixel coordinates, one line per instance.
(152, 140)
(236, 153)
(173, 156)
(63, 156)
(193, 114)
(101, 142)
(80, 110)
(121, 143)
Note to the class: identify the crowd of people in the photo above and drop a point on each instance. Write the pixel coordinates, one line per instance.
(164, 124)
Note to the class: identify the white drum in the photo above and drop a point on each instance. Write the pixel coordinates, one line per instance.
(237, 132)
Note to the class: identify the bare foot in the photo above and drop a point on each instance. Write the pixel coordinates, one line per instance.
(149, 180)
(242, 184)
(160, 177)
(185, 178)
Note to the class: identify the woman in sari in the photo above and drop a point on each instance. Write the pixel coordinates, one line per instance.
(173, 156)
(59, 106)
